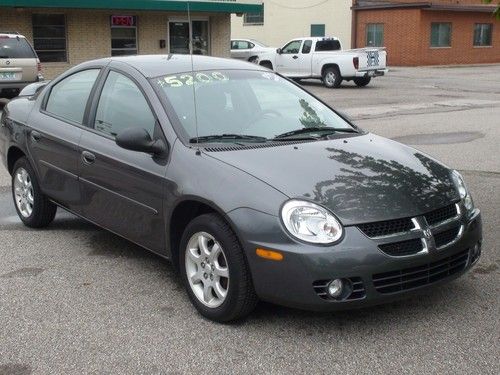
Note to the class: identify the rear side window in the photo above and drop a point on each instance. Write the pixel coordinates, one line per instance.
(15, 48)
(121, 106)
(69, 97)
(327, 45)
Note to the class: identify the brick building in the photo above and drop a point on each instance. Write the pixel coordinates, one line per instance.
(67, 32)
(428, 32)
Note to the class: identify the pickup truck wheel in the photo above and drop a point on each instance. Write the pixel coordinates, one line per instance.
(34, 209)
(214, 270)
(362, 81)
(267, 64)
(331, 77)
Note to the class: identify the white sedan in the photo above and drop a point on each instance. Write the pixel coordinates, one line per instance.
(248, 49)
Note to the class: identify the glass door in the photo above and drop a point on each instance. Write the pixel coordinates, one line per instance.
(179, 32)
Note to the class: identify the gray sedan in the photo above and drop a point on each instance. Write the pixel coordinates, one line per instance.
(251, 186)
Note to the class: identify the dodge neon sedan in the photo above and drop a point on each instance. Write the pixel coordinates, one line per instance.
(251, 186)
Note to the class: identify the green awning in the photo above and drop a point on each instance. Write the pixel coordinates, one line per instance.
(226, 6)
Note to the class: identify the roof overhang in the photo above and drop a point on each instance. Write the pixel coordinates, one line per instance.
(424, 5)
(224, 6)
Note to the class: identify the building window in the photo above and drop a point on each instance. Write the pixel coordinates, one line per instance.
(317, 30)
(49, 37)
(375, 34)
(254, 18)
(482, 34)
(441, 34)
(123, 35)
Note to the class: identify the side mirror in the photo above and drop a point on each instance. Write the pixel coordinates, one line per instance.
(137, 139)
(279, 51)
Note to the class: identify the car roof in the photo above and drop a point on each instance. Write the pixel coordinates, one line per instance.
(11, 34)
(158, 65)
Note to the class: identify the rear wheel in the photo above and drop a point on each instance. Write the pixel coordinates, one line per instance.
(214, 270)
(362, 81)
(331, 77)
(34, 209)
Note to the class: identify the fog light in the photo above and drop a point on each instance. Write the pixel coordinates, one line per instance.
(335, 288)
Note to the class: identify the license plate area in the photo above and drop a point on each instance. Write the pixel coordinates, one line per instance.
(8, 76)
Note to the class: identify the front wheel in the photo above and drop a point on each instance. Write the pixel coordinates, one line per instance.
(214, 270)
(362, 81)
(34, 209)
(331, 77)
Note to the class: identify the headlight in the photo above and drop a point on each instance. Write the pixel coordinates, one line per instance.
(462, 191)
(310, 222)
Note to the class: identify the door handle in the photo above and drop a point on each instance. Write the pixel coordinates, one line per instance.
(35, 136)
(295, 57)
(88, 157)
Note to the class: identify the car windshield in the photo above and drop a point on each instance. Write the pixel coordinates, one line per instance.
(240, 105)
(15, 48)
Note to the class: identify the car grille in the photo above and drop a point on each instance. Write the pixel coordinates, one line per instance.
(403, 248)
(415, 277)
(441, 214)
(357, 291)
(385, 228)
(446, 237)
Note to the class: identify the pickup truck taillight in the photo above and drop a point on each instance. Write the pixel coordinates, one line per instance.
(355, 62)
(39, 66)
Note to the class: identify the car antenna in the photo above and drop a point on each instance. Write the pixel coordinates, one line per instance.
(190, 28)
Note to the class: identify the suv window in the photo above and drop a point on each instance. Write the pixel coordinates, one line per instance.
(292, 47)
(15, 48)
(328, 45)
(121, 106)
(68, 98)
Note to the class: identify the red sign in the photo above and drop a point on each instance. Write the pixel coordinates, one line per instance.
(123, 21)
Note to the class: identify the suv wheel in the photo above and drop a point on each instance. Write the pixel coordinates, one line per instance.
(214, 270)
(34, 209)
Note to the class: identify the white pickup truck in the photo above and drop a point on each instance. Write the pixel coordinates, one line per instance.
(323, 58)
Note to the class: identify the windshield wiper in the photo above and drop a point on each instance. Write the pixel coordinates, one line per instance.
(322, 129)
(236, 137)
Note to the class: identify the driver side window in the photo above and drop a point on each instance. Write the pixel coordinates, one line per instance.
(292, 47)
(121, 106)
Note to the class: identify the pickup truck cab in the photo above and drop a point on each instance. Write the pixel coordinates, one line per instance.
(323, 58)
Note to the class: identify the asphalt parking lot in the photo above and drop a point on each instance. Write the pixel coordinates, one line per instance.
(77, 299)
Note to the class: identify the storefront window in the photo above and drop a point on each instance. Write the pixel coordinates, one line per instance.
(49, 37)
(179, 37)
(123, 35)
(375, 34)
(441, 34)
(482, 34)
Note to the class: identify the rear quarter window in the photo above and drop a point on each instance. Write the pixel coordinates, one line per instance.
(16, 48)
(328, 45)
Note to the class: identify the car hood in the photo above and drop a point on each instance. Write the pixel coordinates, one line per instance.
(362, 178)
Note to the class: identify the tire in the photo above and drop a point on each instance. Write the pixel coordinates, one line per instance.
(331, 77)
(240, 298)
(362, 81)
(267, 64)
(34, 209)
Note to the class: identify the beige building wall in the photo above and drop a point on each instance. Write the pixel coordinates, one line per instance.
(88, 33)
(287, 19)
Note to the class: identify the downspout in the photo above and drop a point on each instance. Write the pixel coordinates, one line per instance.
(354, 24)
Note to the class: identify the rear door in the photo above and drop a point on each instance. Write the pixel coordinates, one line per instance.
(18, 61)
(55, 131)
(241, 49)
(287, 62)
(305, 58)
(123, 190)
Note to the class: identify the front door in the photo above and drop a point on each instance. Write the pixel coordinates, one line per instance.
(123, 189)
(56, 131)
(287, 62)
(179, 34)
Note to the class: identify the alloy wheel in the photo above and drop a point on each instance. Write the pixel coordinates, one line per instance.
(207, 269)
(23, 192)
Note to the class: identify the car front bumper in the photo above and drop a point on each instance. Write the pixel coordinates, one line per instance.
(297, 280)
